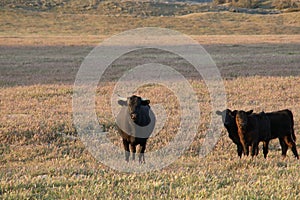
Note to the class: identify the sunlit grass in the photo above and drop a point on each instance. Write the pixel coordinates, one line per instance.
(20, 23)
(75, 174)
(42, 157)
(54, 166)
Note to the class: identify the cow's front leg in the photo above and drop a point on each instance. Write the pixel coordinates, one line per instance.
(133, 150)
(254, 147)
(126, 148)
(265, 148)
(243, 143)
(142, 155)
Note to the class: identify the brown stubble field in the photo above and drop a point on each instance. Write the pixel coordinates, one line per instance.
(42, 157)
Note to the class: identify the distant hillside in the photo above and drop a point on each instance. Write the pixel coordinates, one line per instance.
(107, 7)
(146, 8)
(269, 4)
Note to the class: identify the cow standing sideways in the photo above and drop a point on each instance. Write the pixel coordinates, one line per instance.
(252, 129)
(282, 127)
(135, 123)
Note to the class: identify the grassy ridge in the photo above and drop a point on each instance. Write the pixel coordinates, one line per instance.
(145, 8)
(17, 23)
(109, 8)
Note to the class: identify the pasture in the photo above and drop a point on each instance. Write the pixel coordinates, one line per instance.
(42, 157)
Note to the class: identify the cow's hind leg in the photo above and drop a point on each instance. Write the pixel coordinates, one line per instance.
(294, 149)
(284, 147)
(290, 142)
(239, 150)
(133, 150)
(246, 150)
(126, 148)
(254, 149)
(265, 148)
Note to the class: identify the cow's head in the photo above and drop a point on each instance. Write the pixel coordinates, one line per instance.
(134, 103)
(229, 121)
(228, 117)
(242, 118)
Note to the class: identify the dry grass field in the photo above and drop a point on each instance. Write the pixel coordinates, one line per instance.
(41, 156)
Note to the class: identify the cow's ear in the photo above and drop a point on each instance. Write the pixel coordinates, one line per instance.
(249, 112)
(122, 102)
(145, 102)
(219, 112)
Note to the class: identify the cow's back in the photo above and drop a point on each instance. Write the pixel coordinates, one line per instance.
(264, 127)
(281, 122)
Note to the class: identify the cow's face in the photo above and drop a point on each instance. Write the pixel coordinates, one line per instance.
(242, 118)
(134, 104)
(228, 117)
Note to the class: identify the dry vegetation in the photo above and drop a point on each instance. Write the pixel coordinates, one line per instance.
(277, 4)
(144, 8)
(20, 23)
(42, 157)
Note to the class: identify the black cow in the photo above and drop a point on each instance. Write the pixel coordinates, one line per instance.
(229, 122)
(282, 127)
(135, 123)
(252, 129)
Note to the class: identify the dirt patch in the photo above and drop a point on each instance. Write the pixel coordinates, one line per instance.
(25, 61)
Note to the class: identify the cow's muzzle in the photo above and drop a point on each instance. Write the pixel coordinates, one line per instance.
(243, 126)
(133, 116)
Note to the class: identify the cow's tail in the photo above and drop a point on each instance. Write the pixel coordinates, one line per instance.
(292, 125)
